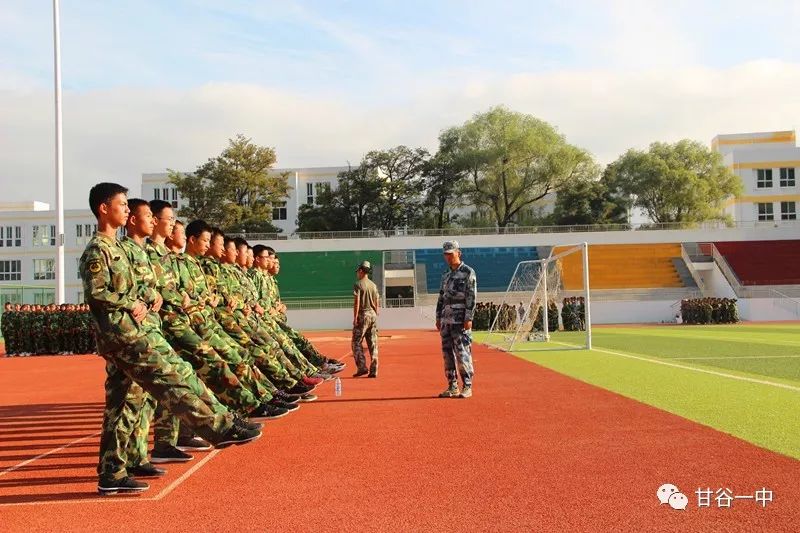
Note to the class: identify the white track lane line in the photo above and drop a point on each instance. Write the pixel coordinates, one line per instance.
(45, 454)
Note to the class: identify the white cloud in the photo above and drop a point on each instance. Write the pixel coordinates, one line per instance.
(117, 134)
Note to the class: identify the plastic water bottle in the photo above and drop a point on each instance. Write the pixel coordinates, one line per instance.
(337, 387)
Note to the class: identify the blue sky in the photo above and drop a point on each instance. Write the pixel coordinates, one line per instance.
(157, 84)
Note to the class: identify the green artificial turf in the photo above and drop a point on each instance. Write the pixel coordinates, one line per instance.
(763, 413)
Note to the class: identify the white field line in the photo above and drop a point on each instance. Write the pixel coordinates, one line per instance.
(692, 368)
(118, 498)
(172, 486)
(45, 454)
(735, 357)
(749, 340)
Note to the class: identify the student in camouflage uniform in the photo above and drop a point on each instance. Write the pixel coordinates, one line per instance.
(270, 299)
(265, 351)
(366, 304)
(136, 354)
(454, 312)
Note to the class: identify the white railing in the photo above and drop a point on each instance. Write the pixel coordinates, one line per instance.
(786, 302)
(698, 279)
(341, 303)
(517, 230)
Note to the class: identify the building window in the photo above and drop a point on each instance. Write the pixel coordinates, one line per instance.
(10, 236)
(309, 193)
(44, 235)
(764, 178)
(788, 211)
(79, 231)
(44, 297)
(156, 194)
(79, 297)
(279, 211)
(44, 269)
(787, 177)
(11, 270)
(165, 190)
(175, 194)
(765, 212)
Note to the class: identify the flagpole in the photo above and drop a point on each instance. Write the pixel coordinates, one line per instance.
(59, 296)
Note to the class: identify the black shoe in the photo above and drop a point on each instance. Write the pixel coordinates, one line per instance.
(246, 424)
(372, 375)
(373, 370)
(126, 485)
(283, 405)
(192, 444)
(146, 470)
(268, 411)
(237, 435)
(169, 454)
(308, 397)
(285, 397)
(361, 372)
(300, 388)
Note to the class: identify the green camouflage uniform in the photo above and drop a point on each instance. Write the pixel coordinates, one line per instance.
(137, 354)
(194, 282)
(10, 331)
(207, 362)
(269, 294)
(265, 324)
(264, 351)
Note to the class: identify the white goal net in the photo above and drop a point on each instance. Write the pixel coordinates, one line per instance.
(546, 305)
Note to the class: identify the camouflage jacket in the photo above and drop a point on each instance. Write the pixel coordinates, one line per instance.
(261, 284)
(110, 291)
(457, 296)
(165, 266)
(193, 281)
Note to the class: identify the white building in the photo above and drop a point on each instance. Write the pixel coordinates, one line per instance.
(304, 186)
(28, 251)
(768, 164)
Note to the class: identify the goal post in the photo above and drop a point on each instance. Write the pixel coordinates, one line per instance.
(547, 304)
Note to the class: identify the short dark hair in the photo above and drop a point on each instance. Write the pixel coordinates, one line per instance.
(157, 206)
(179, 222)
(216, 232)
(270, 249)
(229, 240)
(240, 242)
(136, 203)
(103, 193)
(197, 227)
(257, 249)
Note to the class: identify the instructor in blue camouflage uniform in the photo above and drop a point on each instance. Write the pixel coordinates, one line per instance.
(454, 312)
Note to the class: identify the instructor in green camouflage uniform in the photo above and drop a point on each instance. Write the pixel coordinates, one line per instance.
(366, 303)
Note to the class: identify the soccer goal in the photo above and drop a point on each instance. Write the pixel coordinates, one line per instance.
(546, 305)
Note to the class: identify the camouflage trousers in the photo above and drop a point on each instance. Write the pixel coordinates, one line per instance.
(457, 353)
(265, 354)
(367, 329)
(148, 363)
(303, 344)
(266, 325)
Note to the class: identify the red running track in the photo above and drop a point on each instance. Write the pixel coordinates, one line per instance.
(531, 451)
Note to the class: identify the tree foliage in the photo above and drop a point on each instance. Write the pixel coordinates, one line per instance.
(590, 202)
(234, 190)
(512, 160)
(681, 182)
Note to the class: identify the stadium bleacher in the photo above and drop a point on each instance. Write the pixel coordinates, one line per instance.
(624, 266)
(763, 262)
(494, 266)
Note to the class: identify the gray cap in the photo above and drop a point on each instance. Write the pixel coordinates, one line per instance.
(366, 266)
(450, 247)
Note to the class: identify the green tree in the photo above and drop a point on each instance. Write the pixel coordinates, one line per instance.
(398, 171)
(444, 179)
(344, 208)
(590, 202)
(234, 190)
(681, 182)
(512, 160)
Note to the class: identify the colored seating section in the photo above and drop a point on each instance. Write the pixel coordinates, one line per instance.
(763, 262)
(322, 275)
(493, 266)
(623, 266)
